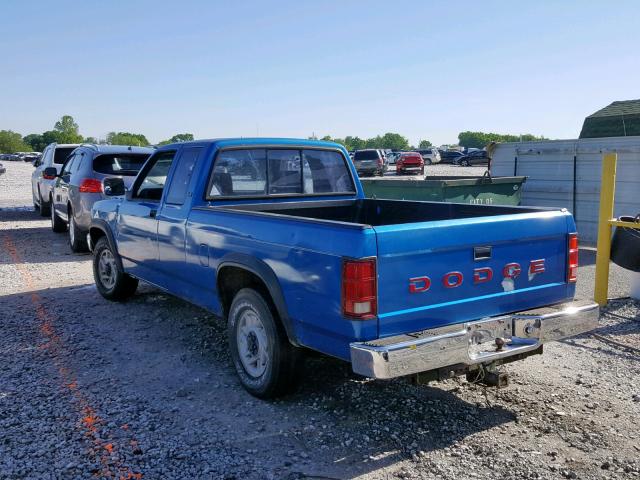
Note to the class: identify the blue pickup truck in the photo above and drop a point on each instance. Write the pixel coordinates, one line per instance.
(276, 237)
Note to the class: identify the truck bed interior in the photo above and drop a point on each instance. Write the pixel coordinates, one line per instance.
(377, 212)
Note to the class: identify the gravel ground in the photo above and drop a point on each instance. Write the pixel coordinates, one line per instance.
(145, 389)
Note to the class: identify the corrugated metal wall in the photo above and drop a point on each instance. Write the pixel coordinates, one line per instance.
(566, 173)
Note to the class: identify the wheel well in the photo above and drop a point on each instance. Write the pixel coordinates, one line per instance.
(96, 234)
(233, 279)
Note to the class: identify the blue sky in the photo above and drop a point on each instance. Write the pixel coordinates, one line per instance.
(292, 68)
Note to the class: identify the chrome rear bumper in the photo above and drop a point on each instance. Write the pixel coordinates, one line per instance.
(470, 343)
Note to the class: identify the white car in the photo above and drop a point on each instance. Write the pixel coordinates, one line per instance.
(429, 155)
(41, 185)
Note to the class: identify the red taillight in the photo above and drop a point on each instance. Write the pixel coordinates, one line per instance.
(359, 289)
(48, 177)
(90, 185)
(572, 258)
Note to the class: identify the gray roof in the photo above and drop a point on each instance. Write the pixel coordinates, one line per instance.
(619, 119)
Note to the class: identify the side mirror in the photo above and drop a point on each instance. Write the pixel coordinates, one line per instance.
(113, 187)
(50, 173)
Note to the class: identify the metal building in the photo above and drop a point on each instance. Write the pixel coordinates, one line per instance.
(566, 173)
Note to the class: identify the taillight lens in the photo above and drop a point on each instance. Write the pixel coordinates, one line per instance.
(572, 258)
(90, 185)
(359, 289)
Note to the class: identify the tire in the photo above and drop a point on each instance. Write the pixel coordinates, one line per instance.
(111, 280)
(464, 163)
(57, 225)
(422, 171)
(265, 361)
(427, 161)
(77, 240)
(45, 208)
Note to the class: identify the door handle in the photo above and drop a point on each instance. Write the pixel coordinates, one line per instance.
(152, 213)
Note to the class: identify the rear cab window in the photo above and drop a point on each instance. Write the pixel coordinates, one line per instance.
(279, 172)
(126, 164)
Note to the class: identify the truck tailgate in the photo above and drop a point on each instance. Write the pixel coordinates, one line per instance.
(444, 272)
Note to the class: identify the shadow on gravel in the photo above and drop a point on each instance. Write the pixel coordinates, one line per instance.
(20, 215)
(587, 256)
(164, 371)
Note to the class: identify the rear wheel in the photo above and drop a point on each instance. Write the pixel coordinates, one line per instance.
(265, 361)
(111, 280)
(57, 225)
(464, 163)
(77, 241)
(44, 208)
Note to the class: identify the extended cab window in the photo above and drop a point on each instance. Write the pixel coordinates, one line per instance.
(182, 176)
(239, 172)
(152, 183)
(263, 172)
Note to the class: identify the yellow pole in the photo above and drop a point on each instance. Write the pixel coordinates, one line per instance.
(607, 195)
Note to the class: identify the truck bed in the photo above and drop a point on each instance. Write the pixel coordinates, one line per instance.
(376, 212)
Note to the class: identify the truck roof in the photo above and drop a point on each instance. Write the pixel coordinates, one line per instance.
(257, 142)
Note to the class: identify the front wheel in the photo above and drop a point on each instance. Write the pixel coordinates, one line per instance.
(265, 361)
(464, 163)
(428, 161)
(111, 280)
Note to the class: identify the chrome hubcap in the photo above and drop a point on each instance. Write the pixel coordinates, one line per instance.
(253, 348)
(107, 269)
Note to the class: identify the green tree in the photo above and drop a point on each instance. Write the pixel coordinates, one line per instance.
(425, 144)
(354, 143)
(11, 142)
(126, 138)
(180, 137)
(394, 141)
(482, 139)
(68, 129)
(36, 141)
(90, 140)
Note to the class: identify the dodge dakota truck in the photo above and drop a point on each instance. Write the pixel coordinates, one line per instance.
(276, 237)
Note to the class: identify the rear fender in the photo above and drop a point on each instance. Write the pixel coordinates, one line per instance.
(268, 277)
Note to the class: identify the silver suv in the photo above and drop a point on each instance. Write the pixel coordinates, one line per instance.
(41, 185)
(80, 184)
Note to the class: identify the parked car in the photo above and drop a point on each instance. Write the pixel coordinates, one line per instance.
(370, 162)
(80, 184)
(54, 156)
(392, 157)
(429, 155)
(450, 156)
(476, 157)
(410, 162)
(296, 258)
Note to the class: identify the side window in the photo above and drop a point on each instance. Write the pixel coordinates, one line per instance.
(238, 173)
(182, 176)
(151, 184)
(284, 169)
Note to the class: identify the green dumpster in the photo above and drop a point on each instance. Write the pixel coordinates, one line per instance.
(485, 190)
